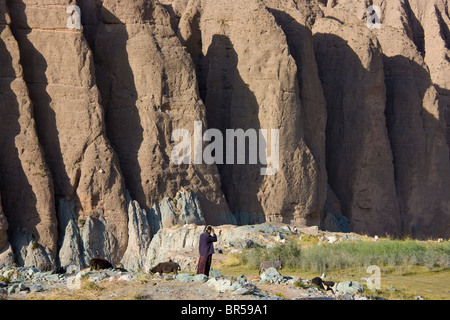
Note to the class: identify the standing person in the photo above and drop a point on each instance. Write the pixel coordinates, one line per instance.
(206, 249)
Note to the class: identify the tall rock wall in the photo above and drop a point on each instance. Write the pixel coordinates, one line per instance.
(249, 79)
(26, 183)
(69, 119)
(359, 157)
(148, 88)
(92, 91)
(415, 64)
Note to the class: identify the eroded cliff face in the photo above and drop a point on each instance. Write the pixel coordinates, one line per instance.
(249, 80)
(88, 111)
(26, 183)
(148, 88)
(413, 41)
(415, 68)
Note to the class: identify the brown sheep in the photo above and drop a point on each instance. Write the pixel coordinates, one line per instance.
(166, 267)
(98, 264)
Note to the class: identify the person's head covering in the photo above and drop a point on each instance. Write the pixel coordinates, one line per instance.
(207, 228)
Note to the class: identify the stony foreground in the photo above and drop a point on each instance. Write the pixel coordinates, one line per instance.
(180, 244)
(31, 283)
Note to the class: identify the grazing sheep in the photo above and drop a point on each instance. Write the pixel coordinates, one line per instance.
(98, 264)
(166, 267)
(324, 285)
(329, 285)
(277, 264)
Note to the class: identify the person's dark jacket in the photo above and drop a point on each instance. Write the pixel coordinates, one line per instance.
(206, 246)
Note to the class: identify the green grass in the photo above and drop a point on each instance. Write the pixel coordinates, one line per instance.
(412, 267)
(354, 254)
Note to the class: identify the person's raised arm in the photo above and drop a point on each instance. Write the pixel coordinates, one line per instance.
(212, 236)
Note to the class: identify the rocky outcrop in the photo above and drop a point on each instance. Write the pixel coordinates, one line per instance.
(332, 218)
(248, 84)
(25, 181)
(132, 42)
(81, 240)
(414, 107)
(359, 157)
(143, 225)
(139, 236)
(181, 243)
(69, 118)
(28, 252)
(69, 238)
(416, 119)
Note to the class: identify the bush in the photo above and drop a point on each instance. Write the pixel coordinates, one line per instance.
(289, 253)
(234, 259)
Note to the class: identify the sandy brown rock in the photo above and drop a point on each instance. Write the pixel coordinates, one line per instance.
(413, 41)
(359, 158)
(246, 83)
(25, 182)
(69, 118)
(296, 19)
(416, 118)
(133, 43)
(430, 23)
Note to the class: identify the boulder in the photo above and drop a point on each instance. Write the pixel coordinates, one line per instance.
(242, 279)
(36, 288)
(200, 278)
(242, 292)
(271, 275)
(223, 285)
(215, 273)
(125, 277)
(13, 289)
(352, 287)
(185, 277)
(7, 255)
(28, 252)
